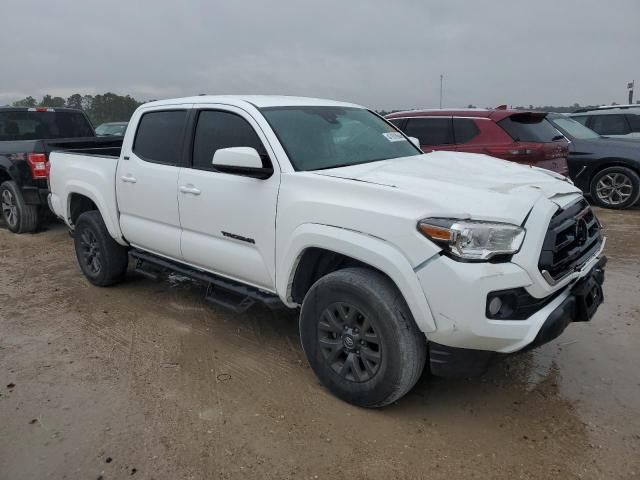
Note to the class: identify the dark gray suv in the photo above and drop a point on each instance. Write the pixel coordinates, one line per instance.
(617, 121)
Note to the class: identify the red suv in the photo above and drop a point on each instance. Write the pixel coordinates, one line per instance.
(517, 135)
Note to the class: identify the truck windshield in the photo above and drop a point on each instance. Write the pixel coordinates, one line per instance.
(25, 125)
(317, 138)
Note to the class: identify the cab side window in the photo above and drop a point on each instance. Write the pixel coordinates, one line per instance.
(217, 129)
(634, 121)
(160, 135)
(430, 131)
(610, 124)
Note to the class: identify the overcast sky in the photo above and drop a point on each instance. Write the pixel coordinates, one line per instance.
(383, 54)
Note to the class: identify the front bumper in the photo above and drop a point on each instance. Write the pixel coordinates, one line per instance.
(457, 295)
(578, 305)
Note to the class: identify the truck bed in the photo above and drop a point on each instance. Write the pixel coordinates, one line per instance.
(85, 172)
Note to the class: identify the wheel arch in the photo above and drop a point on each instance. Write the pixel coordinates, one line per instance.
(83, 197)
(315, 250)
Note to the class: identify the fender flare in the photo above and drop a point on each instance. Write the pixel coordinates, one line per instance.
(79, 187)
(370, 250)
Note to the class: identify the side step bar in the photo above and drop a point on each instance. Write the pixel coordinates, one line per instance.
(220, 291)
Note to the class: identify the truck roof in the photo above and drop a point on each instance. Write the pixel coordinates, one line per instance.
(258, 101)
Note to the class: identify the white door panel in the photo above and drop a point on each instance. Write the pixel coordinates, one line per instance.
(229, 226)
(147, 187)
(149, 214)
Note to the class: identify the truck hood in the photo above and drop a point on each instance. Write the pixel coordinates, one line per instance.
(465, 184)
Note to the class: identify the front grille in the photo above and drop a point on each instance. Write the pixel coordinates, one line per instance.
(573, 237)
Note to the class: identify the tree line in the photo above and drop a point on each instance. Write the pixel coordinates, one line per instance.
(107, 107)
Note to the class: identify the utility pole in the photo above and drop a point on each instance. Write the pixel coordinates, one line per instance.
(630, 87)
(441, 76)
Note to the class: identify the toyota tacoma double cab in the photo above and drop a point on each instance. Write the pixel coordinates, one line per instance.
(27, 137)
(396, 259)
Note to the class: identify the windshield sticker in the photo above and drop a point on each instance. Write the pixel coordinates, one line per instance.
(393, 136)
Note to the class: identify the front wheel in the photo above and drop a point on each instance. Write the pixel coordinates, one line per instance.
(102, 260)
(360, 337)
(615, 187)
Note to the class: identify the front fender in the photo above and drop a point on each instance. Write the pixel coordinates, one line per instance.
(365, 248)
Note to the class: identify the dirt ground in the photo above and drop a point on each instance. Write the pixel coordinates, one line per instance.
(147, 380)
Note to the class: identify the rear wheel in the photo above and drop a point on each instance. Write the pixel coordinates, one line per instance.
(360, 338)
(615, 187)
(102, 260)
(18, 216)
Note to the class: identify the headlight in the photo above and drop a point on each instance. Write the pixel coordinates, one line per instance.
(472, 240)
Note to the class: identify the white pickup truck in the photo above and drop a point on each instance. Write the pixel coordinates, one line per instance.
(395, 257)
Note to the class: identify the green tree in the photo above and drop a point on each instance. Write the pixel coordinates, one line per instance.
(26, 102)
(110, 107)
(49, 101)
(75, 101)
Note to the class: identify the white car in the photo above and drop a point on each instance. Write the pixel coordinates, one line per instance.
(396, 258)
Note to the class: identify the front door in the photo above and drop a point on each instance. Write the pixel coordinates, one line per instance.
(228, 221)
(147, 182)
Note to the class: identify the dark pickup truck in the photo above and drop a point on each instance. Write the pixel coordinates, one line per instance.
(27, 137)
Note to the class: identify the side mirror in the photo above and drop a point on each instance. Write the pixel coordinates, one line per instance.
(244, 161)
(415, 141)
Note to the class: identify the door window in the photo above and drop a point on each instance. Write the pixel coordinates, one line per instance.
(217, 129)
(634, 121)
(430, 131)
(464, 129)
(160, 135)
(610, 124)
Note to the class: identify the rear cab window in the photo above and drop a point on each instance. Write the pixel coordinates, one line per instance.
(216, 129)
(527, 127)
(159, 137)
(431, 131)
(42, 125)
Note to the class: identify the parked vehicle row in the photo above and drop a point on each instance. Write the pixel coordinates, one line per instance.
(606, 168)
(519, 136)
(396, 259)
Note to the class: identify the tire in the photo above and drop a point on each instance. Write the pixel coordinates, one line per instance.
(102, 260)
(368, 303)
(17, 215)
(615, 187)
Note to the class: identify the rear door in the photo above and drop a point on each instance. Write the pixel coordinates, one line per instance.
(147, 180)
(228, 220)
(434, 133)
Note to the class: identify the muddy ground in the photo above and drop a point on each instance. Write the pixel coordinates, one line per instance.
(147, 380)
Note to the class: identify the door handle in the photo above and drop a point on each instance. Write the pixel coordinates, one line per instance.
(128, 179)
(190, 189)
